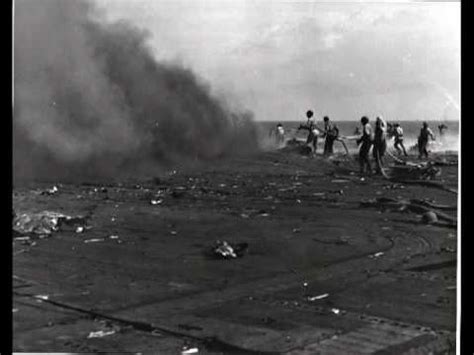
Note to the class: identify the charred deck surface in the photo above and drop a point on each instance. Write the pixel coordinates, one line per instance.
(389, 279)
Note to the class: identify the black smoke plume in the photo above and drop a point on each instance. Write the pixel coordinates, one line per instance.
(90, 99)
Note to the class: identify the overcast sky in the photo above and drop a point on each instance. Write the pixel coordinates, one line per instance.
(343, 59)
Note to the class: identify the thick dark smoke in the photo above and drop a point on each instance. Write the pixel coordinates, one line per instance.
(90, 99)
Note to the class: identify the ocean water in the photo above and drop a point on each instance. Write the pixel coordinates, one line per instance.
(449, 141)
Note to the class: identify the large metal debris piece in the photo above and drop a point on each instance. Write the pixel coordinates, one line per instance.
(410, 171)
(45, 222)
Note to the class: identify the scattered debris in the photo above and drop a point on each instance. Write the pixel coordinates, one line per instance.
(377, 255)
(14, 310)
(319, 297)
(79, 229)
(225, 250)
(394, 187)
(100, 334)
(335, 311)
(296, 230)
(173, 232)
(450, 288)
(156, 202)
(114, 237)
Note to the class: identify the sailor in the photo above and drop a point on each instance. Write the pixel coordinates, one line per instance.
(331, 133)
(380, 142)
(398, 136)
(313, 131)
(365, 142)
(280, 134)
(441, 128)
(423, 138)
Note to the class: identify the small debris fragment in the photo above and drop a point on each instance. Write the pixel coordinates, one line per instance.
(429, 217)
(296, 230)
(156, 202)
(448, 250)
(225, 250)
(189, 351)
(335, 311)
(50, 191)
(377, 255)
(79, 229)
(22, 238)
(94, 240)
(114, 237)
(319, 297)
(173, 232)
(21, 251)
(244, 215)
(41, 298)
(100, 334)
(14, 310)
(156, 333)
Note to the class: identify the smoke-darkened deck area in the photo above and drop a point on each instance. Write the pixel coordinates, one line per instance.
(323, 272)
